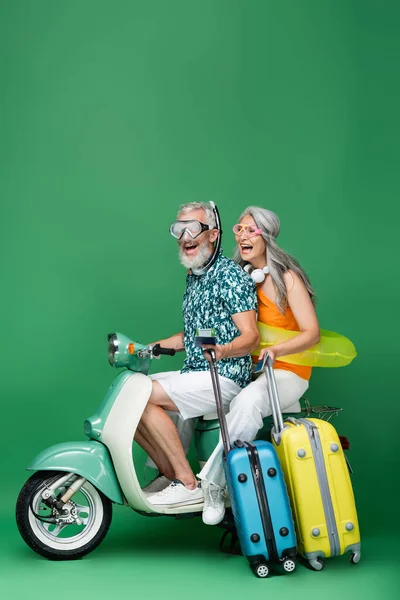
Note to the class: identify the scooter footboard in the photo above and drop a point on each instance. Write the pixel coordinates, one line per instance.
(88, 459)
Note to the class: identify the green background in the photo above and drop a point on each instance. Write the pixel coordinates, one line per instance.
(114, 113)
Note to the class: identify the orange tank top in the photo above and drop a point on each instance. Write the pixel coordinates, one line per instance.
(269, 314)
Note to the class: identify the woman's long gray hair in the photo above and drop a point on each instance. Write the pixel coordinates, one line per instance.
(279, 262)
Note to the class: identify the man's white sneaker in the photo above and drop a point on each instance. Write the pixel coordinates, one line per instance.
(176, 494)
(214, 503)
(156, 485)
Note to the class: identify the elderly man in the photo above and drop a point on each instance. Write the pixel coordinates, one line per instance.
(219, 295)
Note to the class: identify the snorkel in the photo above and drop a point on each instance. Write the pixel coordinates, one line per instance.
(209, 263)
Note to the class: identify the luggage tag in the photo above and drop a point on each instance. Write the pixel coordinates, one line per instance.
(205, 336)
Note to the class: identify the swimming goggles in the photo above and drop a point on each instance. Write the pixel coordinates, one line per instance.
(248, 229)
(193, 227)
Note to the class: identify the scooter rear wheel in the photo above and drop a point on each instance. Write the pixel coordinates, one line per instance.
(62, 541)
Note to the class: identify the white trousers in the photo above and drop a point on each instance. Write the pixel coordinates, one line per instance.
(246, 414)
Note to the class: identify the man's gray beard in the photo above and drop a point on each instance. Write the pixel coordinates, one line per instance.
(203, 254)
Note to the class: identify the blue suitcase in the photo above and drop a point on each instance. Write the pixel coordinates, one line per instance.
(258, 496)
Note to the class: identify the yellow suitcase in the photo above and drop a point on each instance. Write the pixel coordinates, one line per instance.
(318, 482)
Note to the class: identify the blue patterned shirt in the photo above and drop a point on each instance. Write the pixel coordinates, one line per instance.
(209, 301)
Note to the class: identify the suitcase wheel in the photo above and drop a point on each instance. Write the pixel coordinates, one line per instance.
(289, 565)
(355, 557)
(261, 570)
(317, 564)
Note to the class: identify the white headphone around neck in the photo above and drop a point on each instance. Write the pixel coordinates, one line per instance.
(257, 275)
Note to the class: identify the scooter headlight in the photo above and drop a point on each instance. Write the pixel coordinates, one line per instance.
(122, 351)
(112, 347)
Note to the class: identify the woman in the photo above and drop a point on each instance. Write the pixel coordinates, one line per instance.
(285, 300)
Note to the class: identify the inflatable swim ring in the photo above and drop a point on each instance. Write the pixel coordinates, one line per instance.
(333, 349)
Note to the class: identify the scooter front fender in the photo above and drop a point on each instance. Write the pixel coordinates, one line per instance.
(89, 459)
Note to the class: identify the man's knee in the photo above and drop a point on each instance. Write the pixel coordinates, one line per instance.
(160, 398)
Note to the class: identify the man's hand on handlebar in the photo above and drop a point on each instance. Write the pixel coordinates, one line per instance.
(157, 350)
(175, 342)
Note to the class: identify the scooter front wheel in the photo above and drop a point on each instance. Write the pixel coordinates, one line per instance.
(67, 534)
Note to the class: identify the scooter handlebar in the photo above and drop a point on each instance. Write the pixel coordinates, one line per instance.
(158, 350)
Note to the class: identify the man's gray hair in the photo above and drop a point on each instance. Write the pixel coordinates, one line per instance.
(190, 206)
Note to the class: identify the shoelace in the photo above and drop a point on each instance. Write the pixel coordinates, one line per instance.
(172, 487)
(213, 494)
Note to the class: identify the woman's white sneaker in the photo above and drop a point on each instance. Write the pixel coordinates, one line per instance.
(214, 503)
(176, 494)
(158, 484)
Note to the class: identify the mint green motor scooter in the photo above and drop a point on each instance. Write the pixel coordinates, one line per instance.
(64, 510)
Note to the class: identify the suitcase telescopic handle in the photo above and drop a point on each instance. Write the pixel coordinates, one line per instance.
(218, 399)
(273, 397)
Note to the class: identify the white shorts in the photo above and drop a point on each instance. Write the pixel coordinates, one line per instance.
(193, 393)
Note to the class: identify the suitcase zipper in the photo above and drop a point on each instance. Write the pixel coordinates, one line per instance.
(262, 499)
(316, 447)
